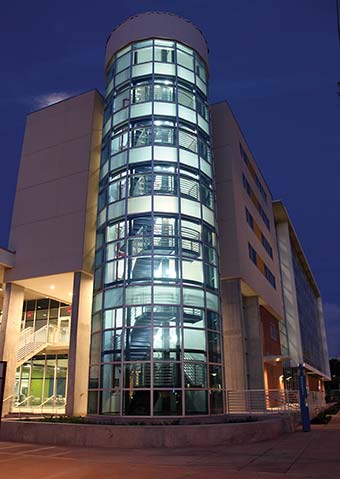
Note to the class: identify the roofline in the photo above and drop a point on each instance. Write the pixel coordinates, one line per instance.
(66, 99)
(280, 209)
(245, 140)
(7, 257)
(164, 13)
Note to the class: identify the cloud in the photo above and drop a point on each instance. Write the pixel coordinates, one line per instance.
(50, 98)
(331, 313)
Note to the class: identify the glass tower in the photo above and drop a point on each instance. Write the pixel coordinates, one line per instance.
(156, 334)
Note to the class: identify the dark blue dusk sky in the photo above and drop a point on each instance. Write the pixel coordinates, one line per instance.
(276, 62)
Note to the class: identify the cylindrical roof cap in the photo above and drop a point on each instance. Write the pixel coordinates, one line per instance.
(156, 25)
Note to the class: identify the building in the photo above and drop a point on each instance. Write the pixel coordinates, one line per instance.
(307, 342)
(253, 316)
(118, 298)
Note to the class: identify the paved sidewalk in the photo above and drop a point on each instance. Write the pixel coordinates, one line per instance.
(299, 455)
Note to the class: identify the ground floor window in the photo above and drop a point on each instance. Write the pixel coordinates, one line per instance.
(41, 384)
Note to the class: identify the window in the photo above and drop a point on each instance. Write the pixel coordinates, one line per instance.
(186, 97)
(119, 141)
(117, 187)
(273, 332)
(164, 91)
(252, 254)
(164, 133)
(140, 136)
(266, 245)
(142, 55)
(202, 108)
(164, 54)
(264, 217)
(141, 93)
(200, 69)
(121, 99)
(270, 277)
(185, 59)
(250, 219)
(252, 196)
(253, 173)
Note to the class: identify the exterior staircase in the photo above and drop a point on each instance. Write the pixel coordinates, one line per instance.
(33, 342)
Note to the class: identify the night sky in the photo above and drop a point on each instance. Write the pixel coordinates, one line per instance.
(276, 62)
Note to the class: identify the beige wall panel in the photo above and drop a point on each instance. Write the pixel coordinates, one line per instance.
(53, 224)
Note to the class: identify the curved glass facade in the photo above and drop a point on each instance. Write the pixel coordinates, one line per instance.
(156, 334)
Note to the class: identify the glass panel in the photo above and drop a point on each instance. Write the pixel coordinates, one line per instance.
(185, 74)
(193, 317)
(141, 93)
(212, 301)
(165, 69)
(166, 316)
(144, 109)
(164, 91)
(187, 140)
(215, 377)
(185, 59)
(121, 99)
(214, 347)
(123, 62)
(167, 403)
(194, 344)
(164, 54)
(196, 402)
(110, 402)
(110, 376)
(167, 343)
(112, 345)
(141, 70)
(113, 297)
(136, 403)
(137, 375)
(190, 188)
(137, 344)
(192, 271)
(92, 402)
(138, 295)
(193, 297)
(142, 55)
(195, 375)
(216, 402)
(138, 316)
(116, 210)
(166, 294)
(186, 97)
(166, 268)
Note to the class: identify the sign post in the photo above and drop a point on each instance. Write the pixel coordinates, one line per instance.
(303, 397)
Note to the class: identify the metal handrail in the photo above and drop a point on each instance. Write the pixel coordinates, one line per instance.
(7, 398)
(48, 399)
(22, 402)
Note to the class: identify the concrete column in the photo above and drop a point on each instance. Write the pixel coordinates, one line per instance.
(9, 337)
(233, 335)
(253, 329)
(78, 365)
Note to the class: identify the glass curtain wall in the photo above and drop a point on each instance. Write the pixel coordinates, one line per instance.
(42, 381)
(156, 332)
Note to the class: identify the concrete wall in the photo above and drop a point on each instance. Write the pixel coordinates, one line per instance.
(53, 222)
(90, 435)
(234, 231)
(156, 25)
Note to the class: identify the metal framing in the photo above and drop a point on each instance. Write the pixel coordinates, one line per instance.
(108, 166)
